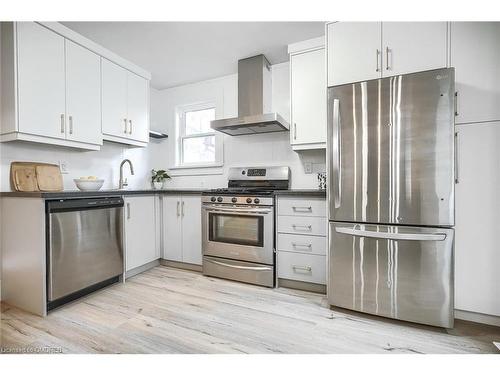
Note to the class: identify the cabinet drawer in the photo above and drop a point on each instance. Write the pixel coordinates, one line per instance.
(301, 244)
(302, 225)
(302, 267)
(302, 207)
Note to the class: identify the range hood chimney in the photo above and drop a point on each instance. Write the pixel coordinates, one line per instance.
(254, 101)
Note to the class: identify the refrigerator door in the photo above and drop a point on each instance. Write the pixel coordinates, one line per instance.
(398, 272)
(391, 148)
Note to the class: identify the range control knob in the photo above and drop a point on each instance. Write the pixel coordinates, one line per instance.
(249, 200)
(234, 200)
(219, 199)
(256, 200)
(213, 199)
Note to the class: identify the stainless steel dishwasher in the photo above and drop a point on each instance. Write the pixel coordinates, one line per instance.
(84, 247)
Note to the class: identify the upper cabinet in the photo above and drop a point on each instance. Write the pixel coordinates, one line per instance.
(475, 55)
(308, 94)
(51, 89)
(125, 105)
(359, 51)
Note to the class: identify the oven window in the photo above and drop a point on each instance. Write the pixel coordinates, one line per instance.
(236, 229)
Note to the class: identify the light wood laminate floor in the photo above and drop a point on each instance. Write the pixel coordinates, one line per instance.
(165, 310)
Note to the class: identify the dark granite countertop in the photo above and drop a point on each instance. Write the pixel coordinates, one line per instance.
(115, 192)
(306, 192)
(99, 193)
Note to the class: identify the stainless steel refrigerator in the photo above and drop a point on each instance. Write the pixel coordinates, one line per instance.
(391, 196)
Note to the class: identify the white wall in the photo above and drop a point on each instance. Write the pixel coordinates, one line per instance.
(248, 150)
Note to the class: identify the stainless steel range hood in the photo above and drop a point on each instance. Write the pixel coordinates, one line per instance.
(254, 101)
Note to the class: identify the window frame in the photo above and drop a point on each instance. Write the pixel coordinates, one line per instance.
(181, 136)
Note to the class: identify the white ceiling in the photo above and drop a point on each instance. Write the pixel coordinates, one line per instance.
(177, 53)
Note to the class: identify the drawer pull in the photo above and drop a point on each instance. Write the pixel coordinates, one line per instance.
(302, 268)
(302, 209)
(309, 246)
(304, 227)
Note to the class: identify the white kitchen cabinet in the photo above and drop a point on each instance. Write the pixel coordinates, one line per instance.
(475, 55)
(125, 105)
(409, 47)
(40, 80)
(182, 228)
(308, 99)
(353, 52)
(141, 237)
(359, 51)
(477, 255)
(83, 94)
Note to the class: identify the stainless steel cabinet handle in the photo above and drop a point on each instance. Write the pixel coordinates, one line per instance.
(62, 123)
(309, 246)
(125, 125)
(387, 52)
(302, 209)
(178, 212)
(294, 130)
(182, 209)
(337, 144)
(128, 211)
(306, 227)
(456, 103)
(302, 268)
(130, 123)
(70, 124)
(239, 267)
(457, 179)
(377, 57)
(393, 236)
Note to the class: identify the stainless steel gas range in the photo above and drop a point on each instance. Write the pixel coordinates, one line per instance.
(238, 225)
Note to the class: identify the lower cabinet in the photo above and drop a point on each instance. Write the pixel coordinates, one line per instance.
(182, 228)
(477, 252)
(142, 243)
(301, 239)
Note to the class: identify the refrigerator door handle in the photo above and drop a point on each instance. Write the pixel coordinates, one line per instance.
(393, 236)
(337, 152)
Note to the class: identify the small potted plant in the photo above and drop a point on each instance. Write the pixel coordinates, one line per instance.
(158, 178)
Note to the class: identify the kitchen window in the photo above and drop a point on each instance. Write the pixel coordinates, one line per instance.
(198, 144)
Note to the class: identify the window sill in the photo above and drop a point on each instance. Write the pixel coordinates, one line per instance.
(196, 169)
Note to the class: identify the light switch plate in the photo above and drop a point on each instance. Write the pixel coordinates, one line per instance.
(308, 167)
(63, 166)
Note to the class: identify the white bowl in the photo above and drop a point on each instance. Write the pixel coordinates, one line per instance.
(86, 185)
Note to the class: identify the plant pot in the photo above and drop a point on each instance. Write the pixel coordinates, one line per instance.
(158, 185)
(165, 183)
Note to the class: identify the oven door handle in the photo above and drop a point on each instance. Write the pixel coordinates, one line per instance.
(238, 267)
(237, 210)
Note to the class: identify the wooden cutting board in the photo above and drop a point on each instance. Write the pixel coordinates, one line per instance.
(32, 176)
(49, 177)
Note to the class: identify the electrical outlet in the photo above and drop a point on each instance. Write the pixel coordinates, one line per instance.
(63, 166)
(308, 167)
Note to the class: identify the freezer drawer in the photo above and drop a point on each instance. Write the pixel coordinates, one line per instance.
(391, 150)
(394, 271)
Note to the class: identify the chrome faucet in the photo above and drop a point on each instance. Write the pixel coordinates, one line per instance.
(123, 182)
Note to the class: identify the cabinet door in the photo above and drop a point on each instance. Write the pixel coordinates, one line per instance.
(114, 99)
(140, 231)
(191, 229)
(40, 79)
(413, 46)
(308, 90)
(477, 255)
(138, 107)
(475, 55)
(354, 52)
(83, 94)
(172, 228)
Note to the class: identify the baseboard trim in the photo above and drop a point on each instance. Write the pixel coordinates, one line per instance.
(140, 269)
(181, 265)
(302, 285)
(470, 316)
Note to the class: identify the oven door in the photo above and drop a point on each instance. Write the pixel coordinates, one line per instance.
(238, 232)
